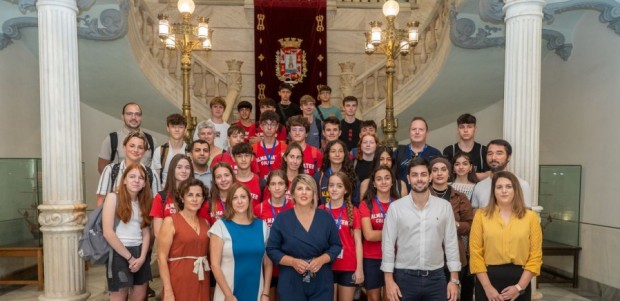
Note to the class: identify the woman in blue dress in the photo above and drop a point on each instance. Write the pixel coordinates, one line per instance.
(242, 270)
(304, 243)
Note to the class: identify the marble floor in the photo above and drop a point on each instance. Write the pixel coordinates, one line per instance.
(96, 285)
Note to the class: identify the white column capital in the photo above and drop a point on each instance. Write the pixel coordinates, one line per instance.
(69, 4)
(519, 8)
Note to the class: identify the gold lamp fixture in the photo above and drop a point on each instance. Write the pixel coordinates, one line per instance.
(186, 36)
(392, 42)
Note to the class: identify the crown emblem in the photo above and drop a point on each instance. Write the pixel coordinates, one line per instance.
(290, 42)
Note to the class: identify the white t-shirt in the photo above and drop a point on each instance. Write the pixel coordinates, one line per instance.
(221, 133)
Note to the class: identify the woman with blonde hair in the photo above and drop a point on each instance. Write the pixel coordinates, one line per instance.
(304, 243)
(505, 243)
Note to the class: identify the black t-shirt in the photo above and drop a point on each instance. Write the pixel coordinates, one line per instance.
(363, 169)
(288, 111)
(350, 133)
(478, 155)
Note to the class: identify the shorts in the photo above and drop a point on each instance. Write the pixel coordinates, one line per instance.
(122, 277)
(344, 278)
(373, 275)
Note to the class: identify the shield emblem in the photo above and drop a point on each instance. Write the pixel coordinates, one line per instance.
(291, 61)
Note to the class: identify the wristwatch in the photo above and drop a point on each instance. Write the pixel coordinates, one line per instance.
(455, 281)
(520, 289)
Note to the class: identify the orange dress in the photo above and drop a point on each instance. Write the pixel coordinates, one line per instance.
(187, 260)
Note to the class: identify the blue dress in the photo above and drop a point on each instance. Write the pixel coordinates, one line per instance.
(242, 257)
(288, 237)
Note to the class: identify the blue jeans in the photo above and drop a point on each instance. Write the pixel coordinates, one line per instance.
(416, 285)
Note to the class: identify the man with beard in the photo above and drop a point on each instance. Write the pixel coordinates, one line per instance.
(420, 226)
(199, 153)
(112, 148)
(499, 152)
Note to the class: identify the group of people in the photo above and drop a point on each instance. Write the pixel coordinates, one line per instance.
(312, 209)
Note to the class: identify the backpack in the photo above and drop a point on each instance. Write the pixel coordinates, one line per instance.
(114, 144)
(92, 246)
(116, 168)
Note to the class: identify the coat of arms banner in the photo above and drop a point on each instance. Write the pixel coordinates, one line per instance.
(290, 46)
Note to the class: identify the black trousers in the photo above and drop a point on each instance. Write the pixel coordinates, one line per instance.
(502, 276)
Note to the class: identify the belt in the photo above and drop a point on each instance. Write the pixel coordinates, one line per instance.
(200, 265)
(421, 273)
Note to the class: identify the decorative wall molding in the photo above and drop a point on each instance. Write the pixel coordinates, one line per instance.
(609, 9)
(110, 25)
(11, 29)
(465, 33)
(555, 41)
(114, 22)
(492, 11)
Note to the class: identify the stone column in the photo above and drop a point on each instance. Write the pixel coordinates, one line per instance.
(522, 90)
(62, 214)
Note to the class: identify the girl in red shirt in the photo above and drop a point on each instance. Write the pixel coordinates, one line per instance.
(291, 166)
(223, 178)
(278, 201)
(348, 266)
(268, 210)
(377, 199)
(183, 170)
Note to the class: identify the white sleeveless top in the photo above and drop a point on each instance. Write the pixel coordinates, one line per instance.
(130, 234)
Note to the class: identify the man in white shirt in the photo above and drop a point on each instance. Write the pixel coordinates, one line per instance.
(499, 152)
(417, 225)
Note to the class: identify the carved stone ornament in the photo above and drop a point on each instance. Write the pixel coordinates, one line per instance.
(464, 33)
(111, 24)
(66, 217)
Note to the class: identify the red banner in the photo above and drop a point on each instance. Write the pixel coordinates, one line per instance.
(290, 45)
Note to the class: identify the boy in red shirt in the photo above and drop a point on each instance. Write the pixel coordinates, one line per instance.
(245, 111)
(269, 151)
(243, 154)
(235, 136)
(312, 156)
(268, 105)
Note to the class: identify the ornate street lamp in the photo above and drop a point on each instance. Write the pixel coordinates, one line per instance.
(392, 42)
(186, 36)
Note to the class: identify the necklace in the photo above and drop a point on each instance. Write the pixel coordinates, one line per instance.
(193, 223)
(440, 193)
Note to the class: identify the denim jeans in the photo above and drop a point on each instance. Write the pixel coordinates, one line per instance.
(416, 285)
